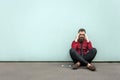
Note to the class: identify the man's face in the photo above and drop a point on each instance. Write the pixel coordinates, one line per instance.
(81, 36)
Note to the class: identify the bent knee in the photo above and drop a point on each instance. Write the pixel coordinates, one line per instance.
(94, 50)
(72, 50)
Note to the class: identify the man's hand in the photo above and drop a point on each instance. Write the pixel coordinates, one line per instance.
(76, 39)
(86, 37)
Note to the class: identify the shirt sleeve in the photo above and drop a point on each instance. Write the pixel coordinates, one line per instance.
(74, 45)
(89, 45)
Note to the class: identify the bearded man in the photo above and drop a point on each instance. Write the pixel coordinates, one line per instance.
(82, 51)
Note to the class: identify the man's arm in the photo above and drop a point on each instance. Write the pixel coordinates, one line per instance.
(89, 44)
(74, 45)
(86, 37)
(76, 39)
(75, 42)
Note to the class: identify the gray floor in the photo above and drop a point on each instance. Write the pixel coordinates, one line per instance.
(57, 71)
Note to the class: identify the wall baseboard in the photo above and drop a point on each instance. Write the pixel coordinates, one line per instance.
(55, 61)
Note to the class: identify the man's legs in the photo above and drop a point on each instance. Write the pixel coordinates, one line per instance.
(76, 57)
(86, 59)
(90, 55)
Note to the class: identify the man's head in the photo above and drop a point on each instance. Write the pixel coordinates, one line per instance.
(81, 30)
(82, 33)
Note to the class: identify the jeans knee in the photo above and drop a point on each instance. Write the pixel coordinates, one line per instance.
(94, 50)
(72, 51)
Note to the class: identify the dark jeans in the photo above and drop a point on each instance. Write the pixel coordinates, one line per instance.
(85, 59)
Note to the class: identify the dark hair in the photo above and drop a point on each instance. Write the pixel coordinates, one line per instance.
(81, 29)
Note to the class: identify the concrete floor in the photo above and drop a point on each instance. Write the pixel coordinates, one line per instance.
(57, 71)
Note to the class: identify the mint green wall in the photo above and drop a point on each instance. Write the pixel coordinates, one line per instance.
(42, 30)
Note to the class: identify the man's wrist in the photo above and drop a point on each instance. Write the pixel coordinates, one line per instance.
(76, 40)
(88, 41)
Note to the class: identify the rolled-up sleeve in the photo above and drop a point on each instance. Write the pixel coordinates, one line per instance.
(74, 45)
(89, 45)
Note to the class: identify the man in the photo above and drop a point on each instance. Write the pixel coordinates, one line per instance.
(82, 52)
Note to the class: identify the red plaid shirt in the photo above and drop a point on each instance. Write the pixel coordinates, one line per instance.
(85, 45)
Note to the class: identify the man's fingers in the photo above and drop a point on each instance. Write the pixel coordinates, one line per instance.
(77, 36)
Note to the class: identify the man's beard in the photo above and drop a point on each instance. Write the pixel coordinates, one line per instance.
(81, 39)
